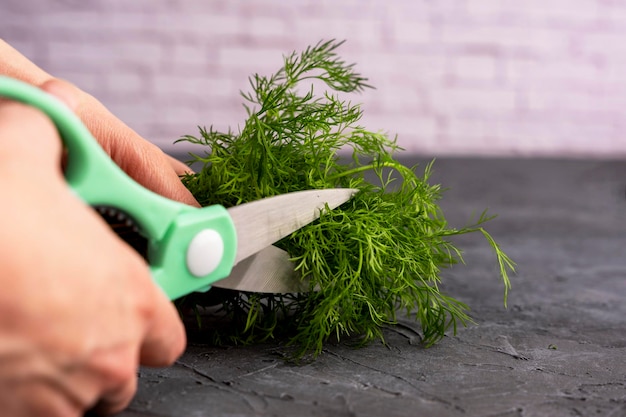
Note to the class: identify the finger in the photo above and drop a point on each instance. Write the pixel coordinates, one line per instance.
(149, 166)
(117, 400)
(37, 399)
(140, 159)
(152, 168)
(16, 65)
(179, 167)
(165, 339)
(168, 183)
(64, 91)
(69, 94)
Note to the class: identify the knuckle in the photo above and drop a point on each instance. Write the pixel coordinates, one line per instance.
(119, 373)
(115, 367)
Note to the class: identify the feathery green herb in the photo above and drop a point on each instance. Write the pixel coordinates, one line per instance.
(379, 254)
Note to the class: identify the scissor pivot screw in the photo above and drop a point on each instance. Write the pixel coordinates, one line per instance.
(205, 252)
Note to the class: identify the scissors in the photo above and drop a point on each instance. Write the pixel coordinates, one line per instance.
(188, 249)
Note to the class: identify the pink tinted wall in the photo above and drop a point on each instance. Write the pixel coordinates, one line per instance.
(479, 77)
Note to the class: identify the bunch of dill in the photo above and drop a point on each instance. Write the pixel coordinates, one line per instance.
(376, 255)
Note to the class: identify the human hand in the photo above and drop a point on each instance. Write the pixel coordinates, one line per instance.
(78, 308)
(142, 160)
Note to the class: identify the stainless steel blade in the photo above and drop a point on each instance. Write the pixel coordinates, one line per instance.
(263, 222)
(269, 271)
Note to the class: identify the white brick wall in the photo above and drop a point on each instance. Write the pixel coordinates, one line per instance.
(486, 77)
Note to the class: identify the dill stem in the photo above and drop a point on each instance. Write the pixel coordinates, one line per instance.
(352, 172)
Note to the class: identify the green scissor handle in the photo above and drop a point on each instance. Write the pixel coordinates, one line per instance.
(188, 248)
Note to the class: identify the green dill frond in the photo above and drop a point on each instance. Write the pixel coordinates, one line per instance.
(380, 253)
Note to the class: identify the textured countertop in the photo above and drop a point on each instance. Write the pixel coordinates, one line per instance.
(558, 350)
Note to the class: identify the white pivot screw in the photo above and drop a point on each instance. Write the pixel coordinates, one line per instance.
(205, 252)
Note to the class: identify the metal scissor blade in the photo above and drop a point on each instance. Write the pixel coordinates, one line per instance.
(263, 222)
(268, 271)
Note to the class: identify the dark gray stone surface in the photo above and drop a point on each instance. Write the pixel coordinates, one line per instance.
(558, 350)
